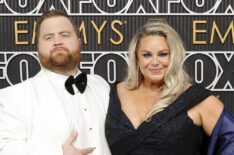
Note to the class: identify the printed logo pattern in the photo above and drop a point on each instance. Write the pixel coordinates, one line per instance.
(16, 67)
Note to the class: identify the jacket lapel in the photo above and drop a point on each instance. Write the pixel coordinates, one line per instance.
(51, 108)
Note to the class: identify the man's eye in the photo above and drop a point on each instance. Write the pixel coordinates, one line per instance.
(146, 55)
(65, 35)
(48, 38)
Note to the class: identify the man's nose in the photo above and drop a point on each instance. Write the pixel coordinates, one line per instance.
(57, 40)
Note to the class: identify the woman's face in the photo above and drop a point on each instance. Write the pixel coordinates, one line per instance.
(153, 56)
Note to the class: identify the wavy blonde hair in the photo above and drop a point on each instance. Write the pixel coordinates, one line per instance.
(175, 78)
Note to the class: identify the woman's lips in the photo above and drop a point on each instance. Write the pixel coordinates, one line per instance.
(155, 70)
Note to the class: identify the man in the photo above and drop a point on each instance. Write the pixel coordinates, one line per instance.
(43, 115)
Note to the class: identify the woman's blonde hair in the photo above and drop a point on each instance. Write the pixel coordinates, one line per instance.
(175, 77)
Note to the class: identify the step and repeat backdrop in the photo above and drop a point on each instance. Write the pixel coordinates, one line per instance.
(107, 26)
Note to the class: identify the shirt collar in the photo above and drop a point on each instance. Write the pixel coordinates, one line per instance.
(57, 79)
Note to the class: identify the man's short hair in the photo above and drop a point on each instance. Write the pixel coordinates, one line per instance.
(54, 13)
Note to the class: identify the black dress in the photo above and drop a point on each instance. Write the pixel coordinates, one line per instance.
(169, 132)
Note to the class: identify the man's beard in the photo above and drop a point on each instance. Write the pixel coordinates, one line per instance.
(60, 61)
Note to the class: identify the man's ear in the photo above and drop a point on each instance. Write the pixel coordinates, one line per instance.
(79, 41)
(79, 44)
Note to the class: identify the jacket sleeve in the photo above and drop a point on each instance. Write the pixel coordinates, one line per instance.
(222, 138)
(14, 130)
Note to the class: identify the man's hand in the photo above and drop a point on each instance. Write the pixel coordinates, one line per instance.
(69, 149)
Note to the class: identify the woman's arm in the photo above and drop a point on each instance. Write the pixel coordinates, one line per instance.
(210, 110)
(218, 123)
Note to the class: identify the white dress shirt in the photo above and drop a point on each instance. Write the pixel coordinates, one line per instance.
(64, 113)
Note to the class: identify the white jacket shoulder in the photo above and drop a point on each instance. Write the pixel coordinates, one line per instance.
(98, 81)
(20, 88)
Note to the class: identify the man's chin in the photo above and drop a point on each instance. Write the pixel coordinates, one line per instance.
(60, 59)
(60, 63)
(59, 67)
(63, 63)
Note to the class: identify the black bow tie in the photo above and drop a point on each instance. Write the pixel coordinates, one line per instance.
(80, 82)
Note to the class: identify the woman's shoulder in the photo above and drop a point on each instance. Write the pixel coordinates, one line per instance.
(123, 92)
(121, 88)
(211, 106)
(194, 94)
(209, 110)
(121, 85)
(210, 103)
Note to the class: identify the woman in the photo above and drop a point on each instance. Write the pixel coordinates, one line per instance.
(156, 110)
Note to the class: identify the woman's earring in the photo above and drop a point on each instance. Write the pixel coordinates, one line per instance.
(138, 68)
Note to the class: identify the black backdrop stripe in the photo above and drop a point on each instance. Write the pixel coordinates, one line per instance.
(209, 59)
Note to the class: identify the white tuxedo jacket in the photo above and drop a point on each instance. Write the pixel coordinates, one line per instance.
(32, 122)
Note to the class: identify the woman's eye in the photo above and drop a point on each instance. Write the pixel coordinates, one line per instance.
(163, 54)
(146, 55)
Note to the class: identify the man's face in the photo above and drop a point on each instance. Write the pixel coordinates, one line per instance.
(58, 45)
